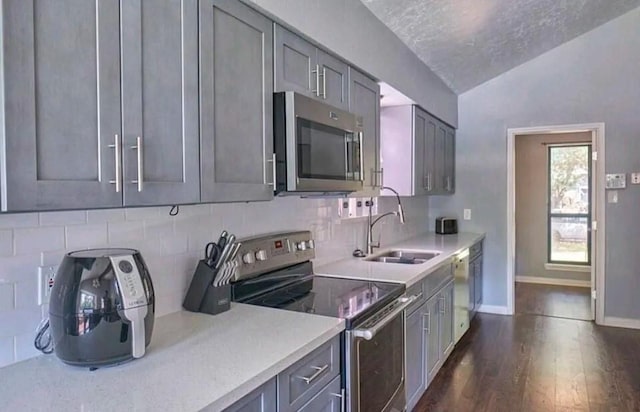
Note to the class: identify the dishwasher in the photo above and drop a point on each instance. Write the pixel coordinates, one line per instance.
(464, 301)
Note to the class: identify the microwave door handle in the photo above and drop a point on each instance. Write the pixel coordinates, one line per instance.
(369, 333)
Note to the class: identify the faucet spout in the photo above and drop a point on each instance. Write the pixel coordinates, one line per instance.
(400, 213)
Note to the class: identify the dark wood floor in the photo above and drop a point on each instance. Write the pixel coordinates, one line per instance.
(538, 363)
(550, 300)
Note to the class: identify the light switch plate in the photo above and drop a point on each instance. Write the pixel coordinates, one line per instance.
(612, 196)
(635, 178)
(616, 181)
(467, 214)
(46, 274)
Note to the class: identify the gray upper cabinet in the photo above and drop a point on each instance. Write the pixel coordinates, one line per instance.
(92, 121)
(160, 102)
(236, 102)
(418, 152)
(295, 63)
(61, 109)
(334, 80)
(302, 67)
(364, 94)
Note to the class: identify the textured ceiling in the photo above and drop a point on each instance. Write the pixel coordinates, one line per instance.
(467, 42)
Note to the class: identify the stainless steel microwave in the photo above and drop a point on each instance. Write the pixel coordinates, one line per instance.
(318, 148)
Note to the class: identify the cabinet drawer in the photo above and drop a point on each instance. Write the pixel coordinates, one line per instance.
(437, 279)
(328, 400)
(475, 250)
(304, 379)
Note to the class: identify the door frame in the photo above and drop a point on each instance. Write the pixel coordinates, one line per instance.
(598, 197)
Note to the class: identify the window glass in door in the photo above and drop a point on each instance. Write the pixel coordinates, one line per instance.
(325, 152)
(569, 194)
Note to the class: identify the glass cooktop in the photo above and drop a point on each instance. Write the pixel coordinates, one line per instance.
(348, 299)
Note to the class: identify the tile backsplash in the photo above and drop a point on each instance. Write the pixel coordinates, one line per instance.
(171, 246)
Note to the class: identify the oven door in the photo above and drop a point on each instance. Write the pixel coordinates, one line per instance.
(375, 362)
(324, 147)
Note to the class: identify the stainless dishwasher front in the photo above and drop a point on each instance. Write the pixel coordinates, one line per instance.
(462, 293)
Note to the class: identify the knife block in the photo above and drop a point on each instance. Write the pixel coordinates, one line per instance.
(202, 296)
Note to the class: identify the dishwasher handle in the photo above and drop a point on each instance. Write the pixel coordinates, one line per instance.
(369, 333)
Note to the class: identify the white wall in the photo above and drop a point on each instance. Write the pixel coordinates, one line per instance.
(171, 246)
(593, 78)
(349, 29)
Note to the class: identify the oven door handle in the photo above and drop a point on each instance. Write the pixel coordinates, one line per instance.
(369, 333)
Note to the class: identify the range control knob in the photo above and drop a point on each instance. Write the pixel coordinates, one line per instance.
(311, 244)
(301, 246)
(261, 255)
(248, 258)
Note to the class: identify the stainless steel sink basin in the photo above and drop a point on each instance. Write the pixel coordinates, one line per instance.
(404, 256)
(391, 259)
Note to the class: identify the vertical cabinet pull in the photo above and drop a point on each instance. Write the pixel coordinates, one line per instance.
(316, 71)
(361, 154)
(427, 322)
(443, 306)
(324, 83)
(429, 181)
(138, 147)
(273, 171)
(117, 148)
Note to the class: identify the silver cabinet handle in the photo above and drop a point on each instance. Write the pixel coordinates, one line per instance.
(449, 183)
(381, 177)
(138, 147)
(429, 181)
(427, 322)
(443, 306)
(342, 399)
(361, 147)
(117, 148)
(318, 371)
(324, 83)
(273, 171)
(317, 73)
(368, 334)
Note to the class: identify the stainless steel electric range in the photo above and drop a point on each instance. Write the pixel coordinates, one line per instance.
(276, 271)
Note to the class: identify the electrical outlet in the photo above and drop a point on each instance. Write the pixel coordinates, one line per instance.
(635, 178)
(46, 275)
(467, 214)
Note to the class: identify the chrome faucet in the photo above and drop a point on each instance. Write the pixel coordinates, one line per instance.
(400, 213)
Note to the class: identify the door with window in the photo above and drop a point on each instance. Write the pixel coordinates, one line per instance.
(569, 195)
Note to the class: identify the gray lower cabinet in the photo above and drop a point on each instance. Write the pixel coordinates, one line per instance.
(262, 399)
(432, 314)
(446, 321)
(479, 281)
(364, 95)
(415, 361)
(302, 67)
(236, 102)
(93, 120)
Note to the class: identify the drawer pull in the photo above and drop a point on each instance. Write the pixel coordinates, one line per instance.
(318, 371)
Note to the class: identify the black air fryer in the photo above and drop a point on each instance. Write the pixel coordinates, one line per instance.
(102, 307)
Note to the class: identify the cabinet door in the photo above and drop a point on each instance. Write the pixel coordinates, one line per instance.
(236, 103)
(432, 321)
(479, 281)
(429, 166)
(262, 399)
(440, 178)
(329, 399)
(61, 63)
(472, 287)
(160, 102)
(415, 360)
(446, 322)
(364, 95)
(334, 80)
(450, 160)
(295, 64)
(419, 150)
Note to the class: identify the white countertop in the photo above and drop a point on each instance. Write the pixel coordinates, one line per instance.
(194, 361)
(358, 268)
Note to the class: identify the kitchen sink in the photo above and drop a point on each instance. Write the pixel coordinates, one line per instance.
(404, 257)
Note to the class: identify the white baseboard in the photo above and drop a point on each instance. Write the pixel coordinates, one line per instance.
(554, 281)
(496, 310)
(621, 322)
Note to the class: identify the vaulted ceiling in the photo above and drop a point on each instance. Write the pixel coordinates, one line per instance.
(467, 42)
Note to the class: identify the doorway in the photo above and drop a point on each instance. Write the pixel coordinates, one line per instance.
(555, 221)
